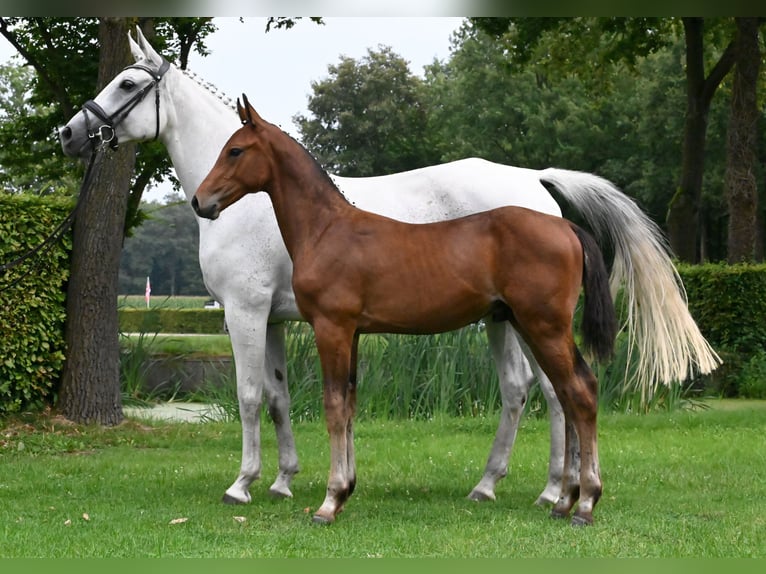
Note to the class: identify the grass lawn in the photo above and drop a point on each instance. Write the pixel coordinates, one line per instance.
(684, 484)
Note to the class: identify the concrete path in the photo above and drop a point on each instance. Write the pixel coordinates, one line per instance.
(175, 411)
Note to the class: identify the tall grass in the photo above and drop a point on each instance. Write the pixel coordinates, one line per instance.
(400, 376)
(404, 376)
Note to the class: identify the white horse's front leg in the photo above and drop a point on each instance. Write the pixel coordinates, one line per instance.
(278, 400)
(248, 341)
(515, 378)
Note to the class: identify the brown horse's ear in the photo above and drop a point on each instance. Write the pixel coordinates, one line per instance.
(241, 111)
(252, 115)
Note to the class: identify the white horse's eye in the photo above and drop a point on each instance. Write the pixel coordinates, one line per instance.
(127, 85)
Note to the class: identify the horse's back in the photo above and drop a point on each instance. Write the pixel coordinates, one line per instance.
(448, 191)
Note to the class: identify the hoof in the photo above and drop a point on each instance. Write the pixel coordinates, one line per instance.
(546, 499)
(321, 519)
(582, 520)
(228, 499)
(558, 514)
(479, 496)
(280, 493)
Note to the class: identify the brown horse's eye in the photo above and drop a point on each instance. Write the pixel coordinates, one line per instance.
(235, 152)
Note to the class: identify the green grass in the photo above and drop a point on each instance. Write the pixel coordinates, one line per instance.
(162, 302)
(681, 484)
(179, 344)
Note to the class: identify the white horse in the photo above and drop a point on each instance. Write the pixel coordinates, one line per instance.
(252, 275)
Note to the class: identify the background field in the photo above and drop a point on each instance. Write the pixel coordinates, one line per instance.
(682, 484)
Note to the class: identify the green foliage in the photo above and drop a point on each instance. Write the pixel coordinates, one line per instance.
(165, 248)
(32, 312)
(729, 303)
(171, 320)
(753, 378)
(369, 117)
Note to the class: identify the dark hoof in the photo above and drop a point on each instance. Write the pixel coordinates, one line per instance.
(582, 520)
(231, 500)
(322, 520)
(559, 515)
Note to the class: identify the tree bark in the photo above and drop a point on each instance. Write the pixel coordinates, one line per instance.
(90, 387)
(683, 211)
(739, 183)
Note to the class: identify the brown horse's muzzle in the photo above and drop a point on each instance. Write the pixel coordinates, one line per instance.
(208, 211)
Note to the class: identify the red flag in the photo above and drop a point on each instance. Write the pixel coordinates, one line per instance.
(148, 293)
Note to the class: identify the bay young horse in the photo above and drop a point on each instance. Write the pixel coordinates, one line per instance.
(252, 278)
(358, 272)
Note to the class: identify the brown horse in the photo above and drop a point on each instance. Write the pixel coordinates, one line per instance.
(358, 272)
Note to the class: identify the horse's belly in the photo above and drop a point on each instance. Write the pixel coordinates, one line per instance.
(419, 316)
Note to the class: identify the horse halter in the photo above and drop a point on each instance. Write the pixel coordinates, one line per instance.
(105, 133)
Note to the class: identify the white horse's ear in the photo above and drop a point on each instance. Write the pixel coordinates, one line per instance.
(146, 49)
(135, 49)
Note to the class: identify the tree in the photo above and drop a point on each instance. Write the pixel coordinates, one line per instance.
(90, 387)
(583, 44)
(741, 189)
(369, 117)
(683, 212)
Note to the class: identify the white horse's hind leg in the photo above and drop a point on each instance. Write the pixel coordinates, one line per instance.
(552, 490)
(278, 399)
(248, 341)
(515, 378)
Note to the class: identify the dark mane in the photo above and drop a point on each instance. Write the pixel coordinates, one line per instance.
(318, 169)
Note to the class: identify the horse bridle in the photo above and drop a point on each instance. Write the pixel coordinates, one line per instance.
(105, 134)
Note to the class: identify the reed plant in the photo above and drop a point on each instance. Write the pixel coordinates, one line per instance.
(403, 376)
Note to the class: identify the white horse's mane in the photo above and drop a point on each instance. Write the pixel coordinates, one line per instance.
(209, 87)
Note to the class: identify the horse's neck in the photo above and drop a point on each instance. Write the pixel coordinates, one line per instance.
(198, 126)
(306, 201)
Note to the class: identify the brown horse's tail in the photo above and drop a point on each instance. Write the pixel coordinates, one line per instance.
(599, 319)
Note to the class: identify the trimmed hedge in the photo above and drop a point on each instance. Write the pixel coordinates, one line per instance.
(729, 304)
(171, 320)
(32, 313)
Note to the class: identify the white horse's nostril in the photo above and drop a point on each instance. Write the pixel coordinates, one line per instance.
(66, 133)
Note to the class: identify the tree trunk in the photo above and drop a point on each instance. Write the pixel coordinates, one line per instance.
(90, 387)
(739, 184)
(683, 211)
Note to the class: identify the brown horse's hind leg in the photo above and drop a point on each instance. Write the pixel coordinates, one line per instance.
(335, 346)
(580, 402)
(577, 390)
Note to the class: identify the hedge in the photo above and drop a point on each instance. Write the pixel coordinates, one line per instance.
(32, 312)
(729, 304)
(171, 320)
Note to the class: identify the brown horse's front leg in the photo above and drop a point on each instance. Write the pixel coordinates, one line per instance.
(335, 351)
(350, 414)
